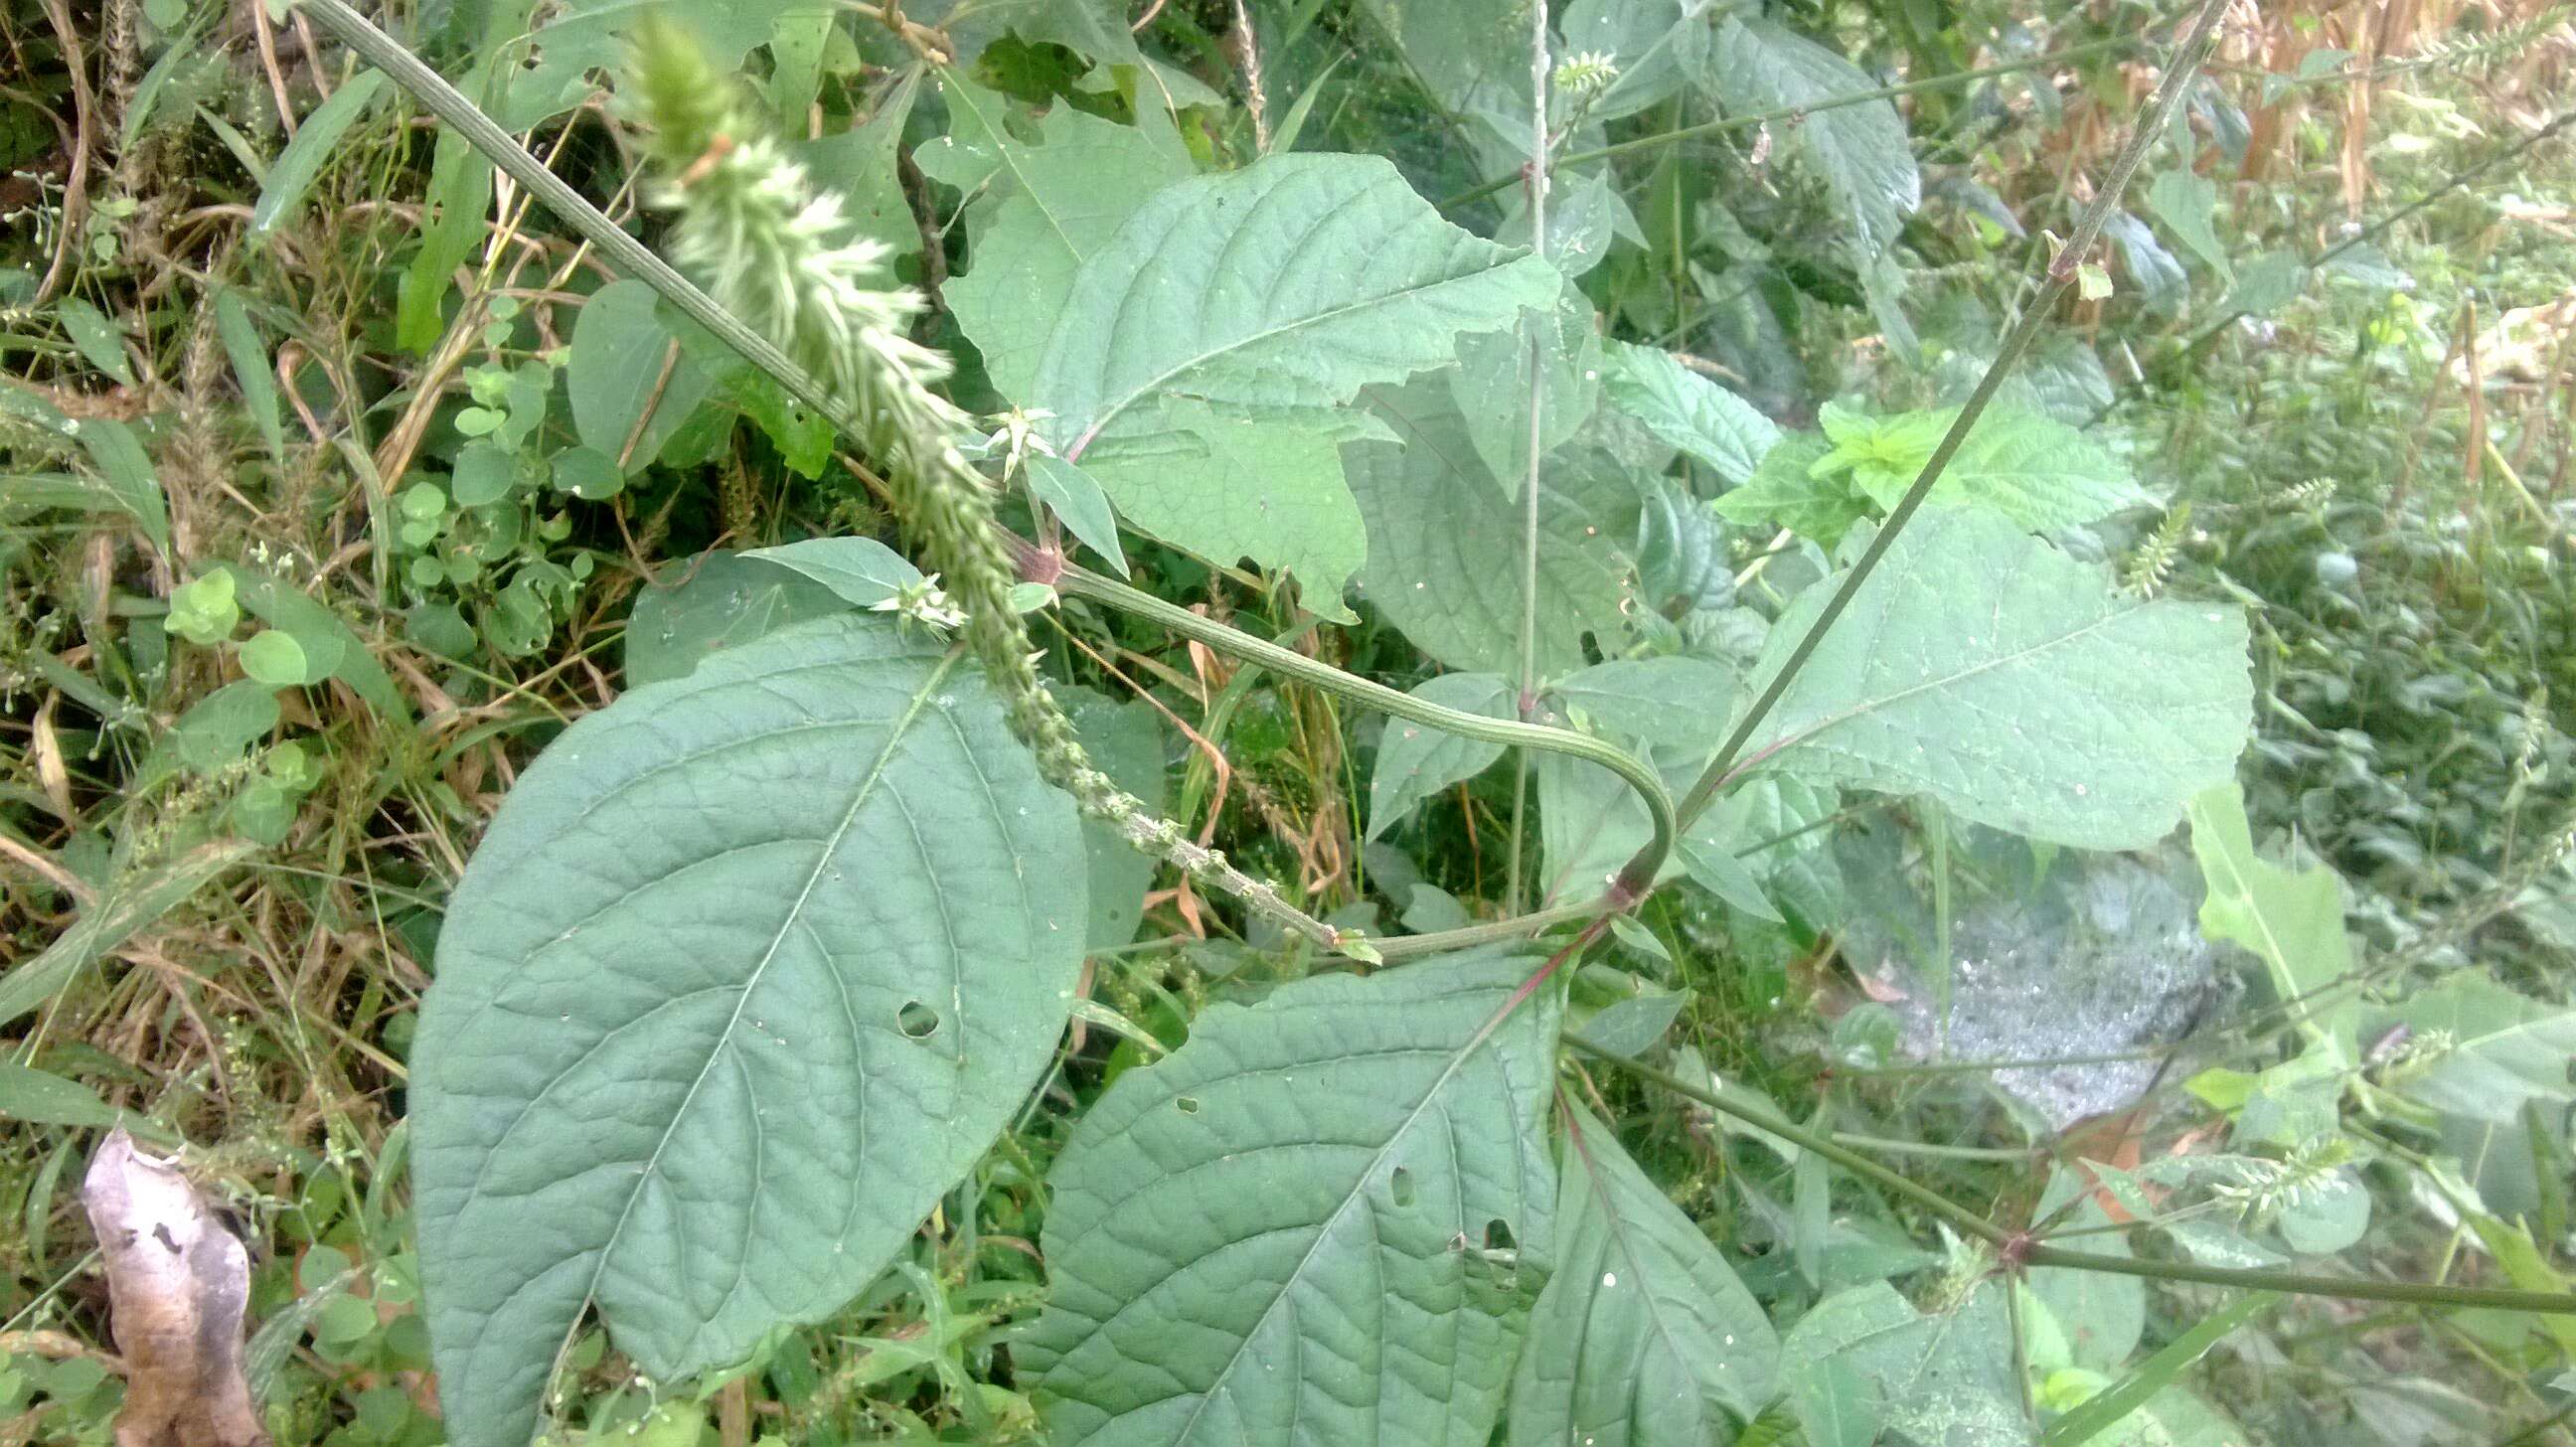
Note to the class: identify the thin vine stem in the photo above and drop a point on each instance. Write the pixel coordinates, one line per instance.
(1526, 700)
(2031, 1253)
(1639, 775)
(2055, 282)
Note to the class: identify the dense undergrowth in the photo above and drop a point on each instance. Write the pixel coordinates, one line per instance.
(337, 479)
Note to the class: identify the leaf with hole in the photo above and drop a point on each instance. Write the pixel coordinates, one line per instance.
(1321, 1220)
(749, 970)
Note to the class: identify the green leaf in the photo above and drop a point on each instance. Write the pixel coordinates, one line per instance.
(248, 353)
(1689, 411)
(275, 660)
(1643, 1335)
(1321, 1220)
(2039, 472)
(1076, 497)
(1859, 150)
(2103, 1314)
(455, 207)
(220, 727)
(1210, 292)
(1932, 1381)
(748, 971)
(2495, 1051)
(2015, 685)
(1785, 491)
(2103, 1410)
(1263, 300)
(1653, 42)
(1492, 385)
(127, 470)
(862, 571)
(316, 141)
(1444, 541)
(484, 474)
(1713, 867)
(1467, 61)
(859, 165)
(2291, 919)
(42, 1099)
(1682, 562)
(1674, 699)
(1249, 489)
(715, 601)
(2157, 277)
(1416, 761)
(1041, 209)
(614, 376)
(2182, 200)
(2327, 1217)
(332, 649)
(203, 610)
(1125, 741)
(100, 342)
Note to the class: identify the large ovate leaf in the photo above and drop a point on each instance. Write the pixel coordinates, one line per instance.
(1689, 411)
(1043, 206)
(2493, 1061)
(1914, 1379)
(1643, 1336)
(749, 969)
(1319, 1222)
(1263, 299)
(1985, 668)
(2292, 919)
(1444, 540)
(2490, 1051)
(623, 404)
(1860, 151)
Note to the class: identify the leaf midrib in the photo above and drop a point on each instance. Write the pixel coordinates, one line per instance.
(1114, 410)
(822, 863)
(1323, 1232)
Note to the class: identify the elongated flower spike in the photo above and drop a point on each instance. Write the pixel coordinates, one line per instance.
(781, 255)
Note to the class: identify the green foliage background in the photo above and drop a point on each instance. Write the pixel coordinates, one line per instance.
(349, 502)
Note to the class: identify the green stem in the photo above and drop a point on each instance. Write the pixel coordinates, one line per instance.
(2032, 1254)
(1805, 1139)
(623, 252)
(2056, 281)
(1637, 773)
